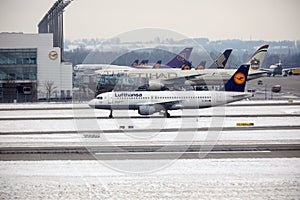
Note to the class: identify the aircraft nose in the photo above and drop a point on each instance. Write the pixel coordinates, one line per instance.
(92, 103)
(248, 95)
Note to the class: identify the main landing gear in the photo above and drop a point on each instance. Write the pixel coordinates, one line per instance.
(111, 114)
(166, 114)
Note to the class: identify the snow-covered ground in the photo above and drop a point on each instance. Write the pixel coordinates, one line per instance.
(144, 130)
(182, 179)
(44, 126)
(137, 137)
(75, 124)
(257, 178)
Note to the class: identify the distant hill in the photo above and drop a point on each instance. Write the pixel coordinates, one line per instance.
(107, 51)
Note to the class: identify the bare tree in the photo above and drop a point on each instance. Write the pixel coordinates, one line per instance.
(50, 88)
(10, 88)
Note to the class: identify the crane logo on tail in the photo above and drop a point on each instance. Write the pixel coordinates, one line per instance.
(239, 78)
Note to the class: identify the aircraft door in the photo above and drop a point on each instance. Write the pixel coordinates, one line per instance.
(220, 98)
(109, 99)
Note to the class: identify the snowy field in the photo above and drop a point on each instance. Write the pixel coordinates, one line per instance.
(74, 123)
(232, 178)
(182, 179)
(222, 137)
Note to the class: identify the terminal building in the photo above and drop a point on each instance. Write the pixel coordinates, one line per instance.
(29, 64)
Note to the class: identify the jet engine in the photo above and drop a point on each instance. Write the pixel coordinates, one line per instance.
(153, 85)
(147, 110)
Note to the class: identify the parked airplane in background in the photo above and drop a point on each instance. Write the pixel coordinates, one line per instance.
(206, 76)
(164, 79)
(275, 69)
(151, 102)
(216, 76)
(176, 62)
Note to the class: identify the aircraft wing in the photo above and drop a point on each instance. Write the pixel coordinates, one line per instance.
(258, 74)
(167, 105)
(172, 105)
(264, 70)
(182, 79)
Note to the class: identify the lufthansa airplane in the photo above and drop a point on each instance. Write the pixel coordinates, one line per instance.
(150, 102)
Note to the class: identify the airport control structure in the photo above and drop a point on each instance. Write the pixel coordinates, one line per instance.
(32, 67)
(28, 63)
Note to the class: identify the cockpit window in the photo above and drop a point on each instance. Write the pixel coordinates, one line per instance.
(100, 98)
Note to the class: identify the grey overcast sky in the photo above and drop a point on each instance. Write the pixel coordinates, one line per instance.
(214, 19)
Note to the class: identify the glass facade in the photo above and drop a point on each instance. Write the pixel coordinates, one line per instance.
(18, 64)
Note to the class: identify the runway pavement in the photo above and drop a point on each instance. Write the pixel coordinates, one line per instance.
(152, 152)
(33, 144)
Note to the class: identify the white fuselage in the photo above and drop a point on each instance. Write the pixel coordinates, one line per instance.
(169, 100)
(191, 77)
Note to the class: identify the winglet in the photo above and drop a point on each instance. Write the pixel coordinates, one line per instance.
(177, 61)
(238, 81)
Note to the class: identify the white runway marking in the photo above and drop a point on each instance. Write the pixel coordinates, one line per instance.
(178, 152)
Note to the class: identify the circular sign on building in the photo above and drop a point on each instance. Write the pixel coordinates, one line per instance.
(53, 55)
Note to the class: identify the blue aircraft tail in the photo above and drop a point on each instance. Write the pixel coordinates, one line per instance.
(238, 80)
(179, 59)
(157, 64)
(186, 65)
(203, 63)
(143, 63)
(221, 61)
(135, 63)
